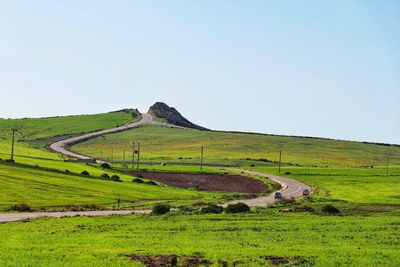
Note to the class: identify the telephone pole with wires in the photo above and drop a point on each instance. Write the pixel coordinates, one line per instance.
(138, 158)
(12, 143)
(280, 161)
(201, 158)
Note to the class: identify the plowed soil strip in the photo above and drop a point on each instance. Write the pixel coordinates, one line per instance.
(211, 182)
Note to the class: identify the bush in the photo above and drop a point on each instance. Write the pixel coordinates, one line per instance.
(211, 209)
(160, 209)
(85, 173)
(137, 180)
(105, 166)
(237, 208)
(287, 172)
(151, 183)
(105, 176)
(330, 209)
(304, 209)
(115, 178)
(21, 207)
(287, 200)
(67, 171)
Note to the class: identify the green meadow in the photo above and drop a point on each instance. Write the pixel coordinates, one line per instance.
(236, 240)
(162, 144)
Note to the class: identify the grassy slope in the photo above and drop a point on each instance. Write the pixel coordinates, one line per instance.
(31, 129)
(42, 188)
(244, 239)
(166, 144)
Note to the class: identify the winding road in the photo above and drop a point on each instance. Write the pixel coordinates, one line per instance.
(62, 145)
(290, 187)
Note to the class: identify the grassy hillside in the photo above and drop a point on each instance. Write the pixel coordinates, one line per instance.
(180, 145)
(39, 128)
(43, 188)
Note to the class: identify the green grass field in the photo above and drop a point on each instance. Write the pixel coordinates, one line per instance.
(353, 185)
(241, 239)
(162, 144)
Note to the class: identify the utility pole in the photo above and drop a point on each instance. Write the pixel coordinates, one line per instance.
(12, 144)
(138, 157)
(133, 156)
(387, 165)
(280, 161)
(201, 158)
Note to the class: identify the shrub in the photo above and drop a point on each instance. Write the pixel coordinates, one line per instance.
(160, 209)
(10, 160)
(67, 171)
(252, 165)
(330, 209)
(287, 200)
(21, 207)
(304, 209)
(105, 176)
(211, 209)
(85, 173)
(137, 180)
(199, 203)
(287, 172)
(106, 166)
(237, 208)
(115, 178)
(151, 183)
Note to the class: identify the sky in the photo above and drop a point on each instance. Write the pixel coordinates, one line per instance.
(314, 68)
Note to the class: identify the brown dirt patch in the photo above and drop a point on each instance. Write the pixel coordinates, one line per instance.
(212, 182)
(194, 261)
(157, 261)
(296, 260)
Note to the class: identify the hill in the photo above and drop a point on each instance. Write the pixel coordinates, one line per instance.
(165, 144)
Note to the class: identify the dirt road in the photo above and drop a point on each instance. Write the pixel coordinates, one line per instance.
(62, 145)
(13, 217)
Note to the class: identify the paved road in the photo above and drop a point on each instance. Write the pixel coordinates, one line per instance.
(290, 188)
(62, 145)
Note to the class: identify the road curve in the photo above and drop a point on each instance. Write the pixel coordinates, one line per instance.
(62, 145)
(290, 188)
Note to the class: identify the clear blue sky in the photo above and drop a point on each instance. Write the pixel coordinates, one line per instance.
(316, 68)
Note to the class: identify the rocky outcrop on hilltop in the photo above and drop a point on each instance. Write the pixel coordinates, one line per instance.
(172, 116)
